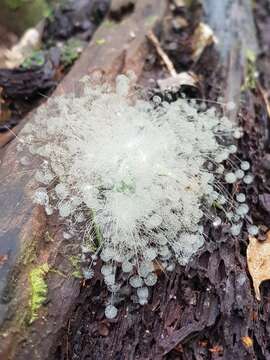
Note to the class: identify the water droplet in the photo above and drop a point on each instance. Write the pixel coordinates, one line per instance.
(136, 281)
(151, 279)
(111, 312)
(217, 222)
(230, 178)
(245, 165)
(241, 197)
(253, 230)
(239, 174)
(236, 229)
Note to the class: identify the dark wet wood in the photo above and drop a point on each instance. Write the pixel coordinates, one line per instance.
(27, 237)
(234, 27)
(206, 310)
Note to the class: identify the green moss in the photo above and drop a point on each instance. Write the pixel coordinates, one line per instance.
(76, 264)
(39, 289)
(71, 51)
(37, 58)
(250, 79)
(101, 41)
(109, 24)
(28, 254)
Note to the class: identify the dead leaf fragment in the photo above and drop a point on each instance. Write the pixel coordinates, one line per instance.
(174, 83)
(103, 329)
(258, 260)
(3, 259)
(202, 37)
(216, 349)
(247, 341)
(29, 42)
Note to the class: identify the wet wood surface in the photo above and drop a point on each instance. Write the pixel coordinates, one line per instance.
(205, 311)
(27, 237)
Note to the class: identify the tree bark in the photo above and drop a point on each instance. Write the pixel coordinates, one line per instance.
(208, 309)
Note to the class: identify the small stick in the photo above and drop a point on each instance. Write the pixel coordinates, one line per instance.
(169, 65)
(265, 98)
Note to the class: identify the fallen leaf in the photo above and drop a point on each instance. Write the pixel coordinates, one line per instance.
(202, 37)
(216, 349)
(203, 343)
(247, 341)
(258, 260)
(103, 329)
(179, 348)
(29, 42)
(179, 3)
(100, 41)
(3, 259)
(175, 82)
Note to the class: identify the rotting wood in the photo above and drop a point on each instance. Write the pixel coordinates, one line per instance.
(207, 310)
(234, 27)
(114, 49)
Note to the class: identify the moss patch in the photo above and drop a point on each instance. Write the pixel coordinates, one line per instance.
(28, 253)
(71, 51)
(100, 41)
(37, 58)
(39, 289)
(76, 263)
(250, 71)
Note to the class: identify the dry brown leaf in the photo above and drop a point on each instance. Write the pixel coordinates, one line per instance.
(3, 259)
(247, 341)
(175, 82)
(203, 36)
(216, 349)
(29, 42)
(258, 259)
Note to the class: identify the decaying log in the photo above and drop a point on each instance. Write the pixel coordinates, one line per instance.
(207, 310)
(234, 27)
(30, 241)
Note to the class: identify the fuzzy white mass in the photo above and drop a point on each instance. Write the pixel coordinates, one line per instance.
(139, 166)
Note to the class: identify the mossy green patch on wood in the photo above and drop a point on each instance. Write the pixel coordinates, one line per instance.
(28, 254)
(101, 41)
(251, 73)
(71, 51)
(39, 289)
(37, 58)
(109, 23)
(76, 264)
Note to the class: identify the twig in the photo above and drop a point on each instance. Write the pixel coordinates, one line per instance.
(265, 98)
(169, 65)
